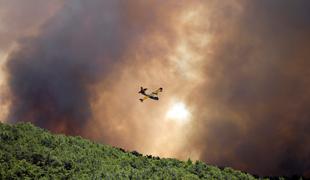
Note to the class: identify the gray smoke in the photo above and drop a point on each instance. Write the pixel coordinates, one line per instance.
(258, 96)
(50, 75)
(252, 111)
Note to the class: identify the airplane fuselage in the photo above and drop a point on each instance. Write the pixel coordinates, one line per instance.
(150, 96)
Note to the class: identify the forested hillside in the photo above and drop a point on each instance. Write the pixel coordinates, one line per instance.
(30, 152)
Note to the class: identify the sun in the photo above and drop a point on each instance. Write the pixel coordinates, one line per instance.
(178, 112)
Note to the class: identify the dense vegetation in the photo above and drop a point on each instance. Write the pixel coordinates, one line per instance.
(33, 153)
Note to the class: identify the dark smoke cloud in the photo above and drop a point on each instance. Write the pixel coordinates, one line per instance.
(258, 96)
(77, 72)
(50, 75)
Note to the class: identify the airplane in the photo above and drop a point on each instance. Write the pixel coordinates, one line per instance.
(153, 95)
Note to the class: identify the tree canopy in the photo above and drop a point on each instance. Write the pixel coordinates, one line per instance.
(29, 152)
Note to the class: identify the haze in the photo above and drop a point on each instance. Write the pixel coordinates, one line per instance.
(235, 76)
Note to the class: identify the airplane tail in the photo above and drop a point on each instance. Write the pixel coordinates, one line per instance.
(142, 90)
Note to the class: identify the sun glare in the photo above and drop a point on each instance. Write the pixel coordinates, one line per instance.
(178, 113)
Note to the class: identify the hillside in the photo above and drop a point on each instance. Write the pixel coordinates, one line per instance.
(30, 152)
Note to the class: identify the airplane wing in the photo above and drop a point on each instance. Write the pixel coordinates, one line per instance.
(157, 91)
(144, 98)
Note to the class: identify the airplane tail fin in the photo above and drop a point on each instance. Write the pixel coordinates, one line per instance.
(141, 100)
(142, 90)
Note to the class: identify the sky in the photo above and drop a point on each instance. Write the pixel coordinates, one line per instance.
(235, 77)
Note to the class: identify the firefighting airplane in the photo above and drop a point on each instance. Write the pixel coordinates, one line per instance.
(153, 95)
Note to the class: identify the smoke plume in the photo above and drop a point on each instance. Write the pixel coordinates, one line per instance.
(240, 68)
(253, 110)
